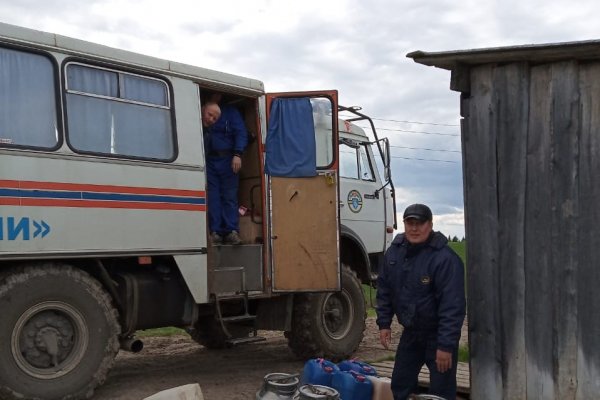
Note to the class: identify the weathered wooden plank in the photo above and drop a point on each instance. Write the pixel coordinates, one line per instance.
(588, 274)
(464, 106)
(460, 78)
(511, 101)
(481, 222)
(565, 204)
(539, 304)
(385, 368)
(462, 379)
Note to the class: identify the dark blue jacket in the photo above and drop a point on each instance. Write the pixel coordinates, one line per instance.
(423, 285)
(229, 133)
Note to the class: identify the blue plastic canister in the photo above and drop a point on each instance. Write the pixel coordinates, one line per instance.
(318, 371)
(352, 385)
(357, 366)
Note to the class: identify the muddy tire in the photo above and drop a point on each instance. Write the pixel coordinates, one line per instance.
(209, 333)
(59, 333)
(329, 325)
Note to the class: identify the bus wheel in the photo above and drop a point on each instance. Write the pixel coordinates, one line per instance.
(59, 333)
(329, 325)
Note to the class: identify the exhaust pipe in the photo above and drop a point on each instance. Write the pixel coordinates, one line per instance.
(132, 344)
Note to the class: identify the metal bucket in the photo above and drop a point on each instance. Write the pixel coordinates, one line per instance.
(278, 386)
(319, 392)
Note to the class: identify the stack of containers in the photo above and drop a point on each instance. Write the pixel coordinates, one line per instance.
(382, 389)
(352, 379)
(319, 371)
(357, 366)
(352, 386)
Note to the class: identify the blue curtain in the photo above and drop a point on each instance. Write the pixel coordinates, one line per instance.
(290, 144)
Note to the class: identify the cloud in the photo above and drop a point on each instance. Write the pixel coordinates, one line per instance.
(450, 224)
(354, 46)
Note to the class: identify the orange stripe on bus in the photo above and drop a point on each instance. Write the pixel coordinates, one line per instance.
(110, 204)
(99, 188)
(10, 201)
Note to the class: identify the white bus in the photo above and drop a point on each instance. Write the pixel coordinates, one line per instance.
(103, 214)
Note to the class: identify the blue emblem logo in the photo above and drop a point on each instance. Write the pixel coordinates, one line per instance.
(355, 201)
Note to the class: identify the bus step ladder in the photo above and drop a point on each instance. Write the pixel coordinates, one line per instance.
(244, 317)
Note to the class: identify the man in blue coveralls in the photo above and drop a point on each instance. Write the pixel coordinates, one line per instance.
(422, 284)
(224, 143)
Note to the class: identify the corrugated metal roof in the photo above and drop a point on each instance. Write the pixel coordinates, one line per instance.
(536, 53)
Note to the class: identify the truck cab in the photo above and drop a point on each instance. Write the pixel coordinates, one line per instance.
(367, 196)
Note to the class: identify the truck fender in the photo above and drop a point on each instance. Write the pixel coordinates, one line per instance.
(353, 253)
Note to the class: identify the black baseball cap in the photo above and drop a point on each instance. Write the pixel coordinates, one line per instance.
(417, 211)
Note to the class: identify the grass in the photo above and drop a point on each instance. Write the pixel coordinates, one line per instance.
(166, 331)
(463, 353)
(370, 294)
(461, 249)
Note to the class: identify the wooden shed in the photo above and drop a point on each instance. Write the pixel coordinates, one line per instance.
(531, 159)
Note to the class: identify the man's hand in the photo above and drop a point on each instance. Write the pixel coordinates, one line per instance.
(236, 164)
(385, 337)
(443, 360)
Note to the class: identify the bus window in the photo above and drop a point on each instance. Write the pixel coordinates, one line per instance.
(28, 114)
(117, 113)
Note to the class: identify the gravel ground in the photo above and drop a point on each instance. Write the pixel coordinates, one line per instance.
(230, 374)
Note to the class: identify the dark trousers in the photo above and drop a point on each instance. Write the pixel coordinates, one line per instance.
(222, 187)
(414, 350)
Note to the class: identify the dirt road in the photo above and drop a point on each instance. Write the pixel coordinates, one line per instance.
(231, 374)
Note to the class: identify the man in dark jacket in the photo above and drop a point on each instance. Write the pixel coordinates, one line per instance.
(224, 144)
(422, 283)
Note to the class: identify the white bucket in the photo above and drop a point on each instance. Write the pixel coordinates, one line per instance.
(185, 392)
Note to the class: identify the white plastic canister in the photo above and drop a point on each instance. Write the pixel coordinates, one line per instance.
(382, 389)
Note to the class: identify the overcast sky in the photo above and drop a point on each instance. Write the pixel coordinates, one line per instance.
(356, 47)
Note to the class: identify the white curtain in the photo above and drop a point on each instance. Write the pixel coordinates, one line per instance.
(110, 126)
(27, 100)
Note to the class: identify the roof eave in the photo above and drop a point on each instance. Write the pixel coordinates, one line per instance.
(536, 53)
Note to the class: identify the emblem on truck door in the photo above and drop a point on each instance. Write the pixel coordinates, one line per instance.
(355, 201)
